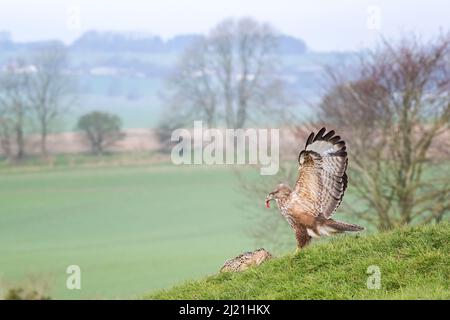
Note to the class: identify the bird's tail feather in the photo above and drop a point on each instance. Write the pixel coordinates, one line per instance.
(343, 226)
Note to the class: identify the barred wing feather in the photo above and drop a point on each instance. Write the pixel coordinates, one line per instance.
(322, 179)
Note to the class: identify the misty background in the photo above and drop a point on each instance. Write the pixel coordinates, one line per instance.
(123, 53)
(90, 93)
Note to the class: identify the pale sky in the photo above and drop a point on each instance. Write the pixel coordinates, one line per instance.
(323, 24)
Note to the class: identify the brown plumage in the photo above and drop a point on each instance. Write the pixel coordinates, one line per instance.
(319, 189)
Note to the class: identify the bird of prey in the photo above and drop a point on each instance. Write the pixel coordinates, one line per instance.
(319, 189)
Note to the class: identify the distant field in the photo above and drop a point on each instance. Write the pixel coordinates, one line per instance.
(135, 100)
(130, 229)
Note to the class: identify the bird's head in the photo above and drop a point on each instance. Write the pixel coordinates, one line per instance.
(282, 191)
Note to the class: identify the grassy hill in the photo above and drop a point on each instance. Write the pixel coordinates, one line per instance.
(414, 264)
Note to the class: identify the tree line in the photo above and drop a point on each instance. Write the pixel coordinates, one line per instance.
(35, 93)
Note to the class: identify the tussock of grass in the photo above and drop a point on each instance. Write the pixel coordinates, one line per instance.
(414, 264)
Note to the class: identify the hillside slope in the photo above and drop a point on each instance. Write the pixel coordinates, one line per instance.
(414, 264)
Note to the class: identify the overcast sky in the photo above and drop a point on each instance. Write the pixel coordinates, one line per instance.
(323, 24)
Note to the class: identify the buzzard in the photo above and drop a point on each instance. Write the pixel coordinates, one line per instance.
(319, 189)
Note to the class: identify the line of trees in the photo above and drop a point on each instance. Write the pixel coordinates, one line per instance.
(34, 93)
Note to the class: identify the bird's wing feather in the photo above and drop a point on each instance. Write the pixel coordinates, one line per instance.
(321, 179)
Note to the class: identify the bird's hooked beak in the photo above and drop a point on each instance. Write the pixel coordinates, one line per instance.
(268, 198)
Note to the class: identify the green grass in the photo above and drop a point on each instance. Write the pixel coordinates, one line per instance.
(414, 264)
(130, 229)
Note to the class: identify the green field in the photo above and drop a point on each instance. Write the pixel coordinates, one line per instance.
(413, 263)
(137, 229)
(130, 229)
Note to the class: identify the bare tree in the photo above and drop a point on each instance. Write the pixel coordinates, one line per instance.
(231, 76)
(394, 110)
(166, 125)
(51, 91)
(6, 130)
(14, 108)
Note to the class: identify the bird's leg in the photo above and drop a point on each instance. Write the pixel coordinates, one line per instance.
(302, 237)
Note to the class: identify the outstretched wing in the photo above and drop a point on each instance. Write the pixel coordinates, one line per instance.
(321, 179)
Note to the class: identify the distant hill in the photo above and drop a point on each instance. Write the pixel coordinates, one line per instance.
(291, 45)
(125, 73)
(131, 42)
(138, 42)
(414, 264)
(121, 54)
(8, 44)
